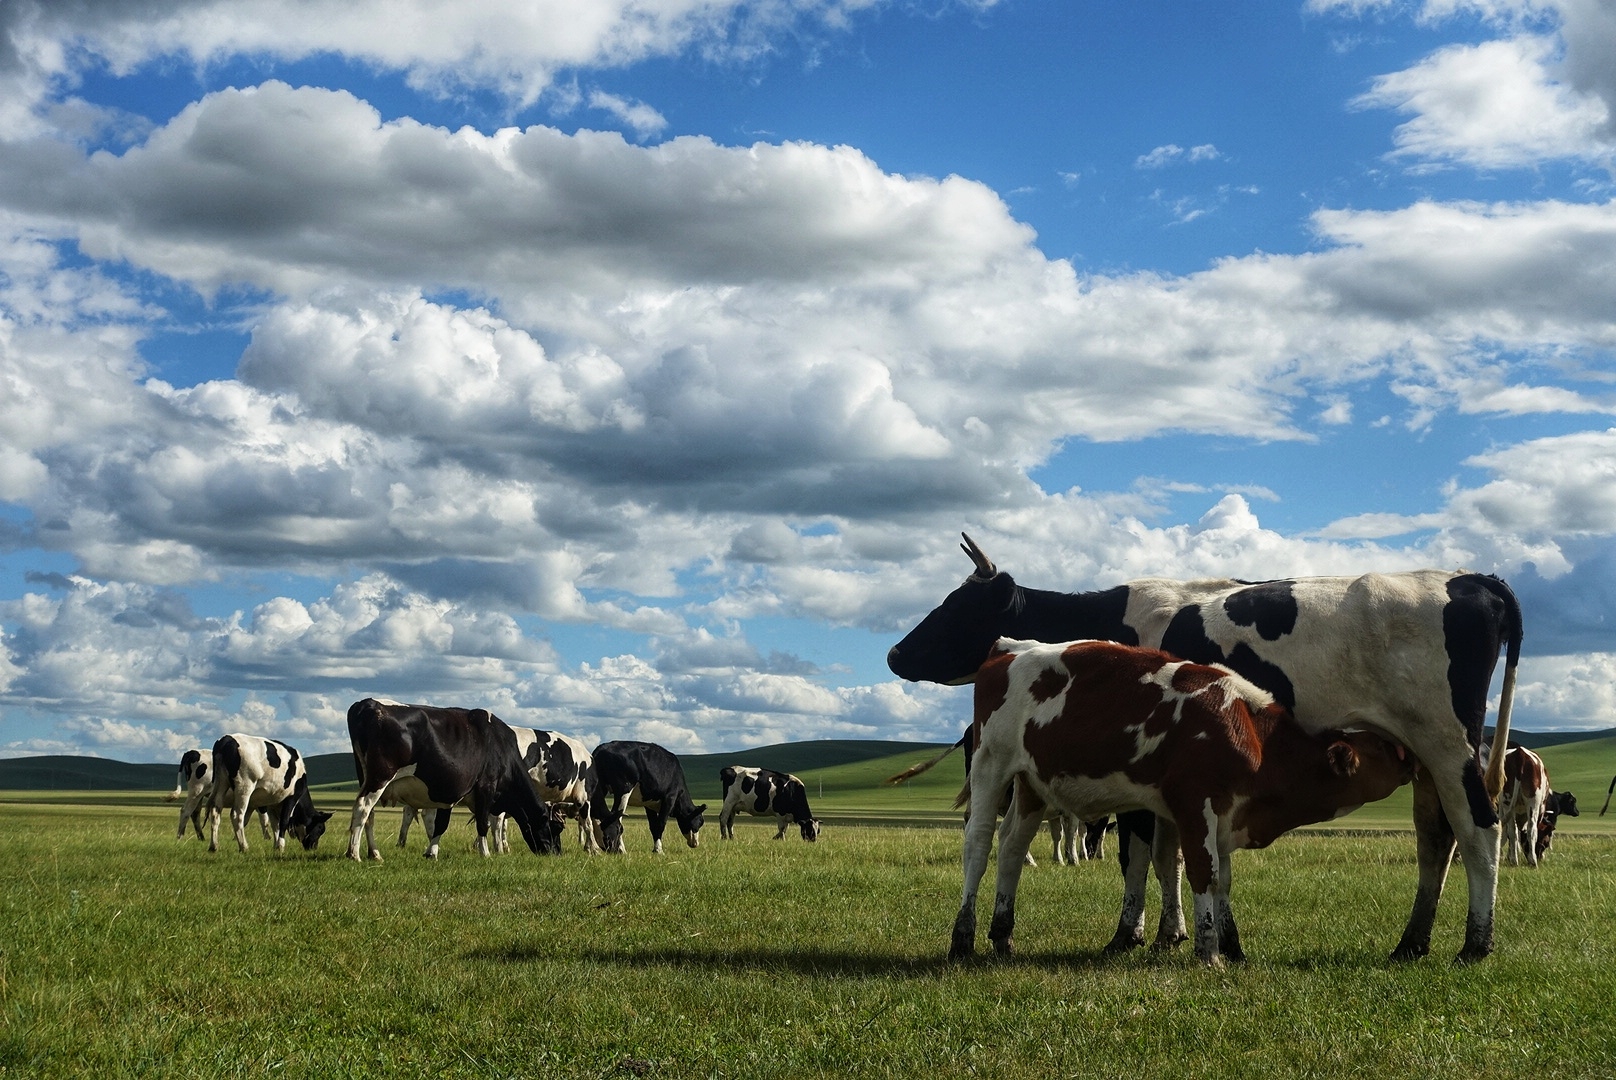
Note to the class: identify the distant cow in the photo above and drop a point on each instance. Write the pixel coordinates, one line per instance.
(643, 774)
(1096, 727)
(1520, 807)
(432, 758)
(761, 792)
(1558, 802)
(254, 773)
(1411, 653)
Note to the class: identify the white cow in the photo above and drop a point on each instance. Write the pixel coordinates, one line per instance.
(195, 785)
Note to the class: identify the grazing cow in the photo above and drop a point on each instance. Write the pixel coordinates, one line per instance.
(432, 758)
(1411, 654)
(1520, 808)
(1558, 802)
(760, 792)
(647, 775)
(562, 772)
(254, 773)
(1094, 727)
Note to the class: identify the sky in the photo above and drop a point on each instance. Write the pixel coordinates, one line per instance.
(631, 367)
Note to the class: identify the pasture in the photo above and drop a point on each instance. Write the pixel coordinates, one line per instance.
(128, 953)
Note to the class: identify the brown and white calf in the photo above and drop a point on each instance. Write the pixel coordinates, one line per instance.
(1094, 727)
(1520, 807)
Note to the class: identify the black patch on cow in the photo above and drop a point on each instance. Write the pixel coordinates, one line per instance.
(1270, 607)
(1186, 639)
(1481, 616)
(746, 785)
(227, 757)
(560, 769)
(1481, 807)
(271, 756)
(291, 766)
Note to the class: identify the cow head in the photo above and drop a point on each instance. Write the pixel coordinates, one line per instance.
(1369, 766)
(539, 828)
(810, 829)
(610, 828)
(691, 824)
(950, 643)
(1563, 802)
(310, 831)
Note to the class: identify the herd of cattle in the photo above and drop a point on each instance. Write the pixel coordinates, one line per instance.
(428, 760)
(1208, 716)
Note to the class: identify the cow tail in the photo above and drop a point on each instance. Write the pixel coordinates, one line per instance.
(1608, 791)
(915, 770)
(1494, 779)
(964, 796)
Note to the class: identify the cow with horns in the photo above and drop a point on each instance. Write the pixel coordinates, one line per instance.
(1410, 654)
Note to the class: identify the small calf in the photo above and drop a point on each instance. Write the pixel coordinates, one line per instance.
(1094, 727)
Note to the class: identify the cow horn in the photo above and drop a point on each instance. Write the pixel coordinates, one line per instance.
(984, 565)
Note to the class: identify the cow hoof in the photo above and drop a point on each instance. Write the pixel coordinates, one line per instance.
(1214, 962)
(1468, 956)
(1124, 940)
(1403, 954)
(1004, 947)
(1167, 942)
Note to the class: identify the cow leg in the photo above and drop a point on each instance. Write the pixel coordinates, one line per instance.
(360, 826)
(214, 817)
(406, 818)
(1025, 816)
(1164, 854)
(1055, 839)
(726, 823)
(192, 811)
(1228, 933)
(436, 826)
(1528, 837)
(1135, 831)
(502, 842)
(781, 835)
(1073, 831)
(658, 821)
(1204, 868)
(979, 823)
(238, 813)
(263, 825)
(1434, 843)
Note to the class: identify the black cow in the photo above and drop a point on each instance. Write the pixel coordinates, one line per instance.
(429, 757)
(647, 775)
(1411, 654)
(760, 792)
(254, 773)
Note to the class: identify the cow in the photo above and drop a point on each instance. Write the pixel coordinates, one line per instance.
(1094, 727)
(194, 784)
(761, 792)
(254, 773)
(1520, 808)
(1409, 653)
(432, 758)
(1558, 802)
(647, 775)
(562, 772)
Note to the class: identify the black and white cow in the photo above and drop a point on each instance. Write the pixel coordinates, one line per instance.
(563, 775)
(194, 784)
(643, 774)
(761, 792)
(1411, 654)
(432, 758)
(253, 773)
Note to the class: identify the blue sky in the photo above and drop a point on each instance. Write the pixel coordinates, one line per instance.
(630, 368)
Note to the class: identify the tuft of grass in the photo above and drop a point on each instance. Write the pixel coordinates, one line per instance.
(128, 953)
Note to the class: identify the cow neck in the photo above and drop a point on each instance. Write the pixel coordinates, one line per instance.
(1045, 615)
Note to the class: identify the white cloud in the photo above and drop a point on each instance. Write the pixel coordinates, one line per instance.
(641, 118)
(1493, 105)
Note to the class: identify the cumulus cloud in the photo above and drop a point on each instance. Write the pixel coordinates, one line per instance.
(1493, 105)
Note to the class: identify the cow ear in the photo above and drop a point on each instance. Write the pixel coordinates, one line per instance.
(1343, 758)
(702, 809)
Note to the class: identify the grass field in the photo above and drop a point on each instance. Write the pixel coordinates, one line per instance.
(128, 953)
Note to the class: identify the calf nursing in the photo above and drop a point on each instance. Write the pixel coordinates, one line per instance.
(1094, 728)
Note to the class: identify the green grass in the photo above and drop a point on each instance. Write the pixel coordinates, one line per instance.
(127, 953)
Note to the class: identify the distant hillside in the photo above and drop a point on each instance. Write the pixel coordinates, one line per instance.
(64, 773)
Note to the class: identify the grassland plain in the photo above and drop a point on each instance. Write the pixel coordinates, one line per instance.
(128, 953)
